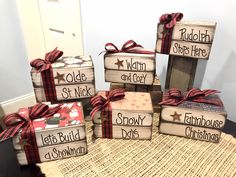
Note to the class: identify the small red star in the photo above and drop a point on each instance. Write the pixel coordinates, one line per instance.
(119, 63)
(176, 116)
(23, 143)
(60, 77)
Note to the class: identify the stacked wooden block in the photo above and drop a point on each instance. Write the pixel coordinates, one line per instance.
(190, 41)
(73, 78)
(61, 136)
(134, 72)
(194, 120)
(132, 118)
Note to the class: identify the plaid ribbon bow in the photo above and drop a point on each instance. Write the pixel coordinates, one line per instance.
(174, 97)
(45, 68)
(102, 104)
(169, 21)
(129, 47)
(22, 121)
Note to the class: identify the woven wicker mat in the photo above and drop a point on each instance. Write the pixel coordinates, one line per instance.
(162, 156)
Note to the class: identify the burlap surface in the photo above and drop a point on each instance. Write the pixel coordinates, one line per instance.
(162, 156)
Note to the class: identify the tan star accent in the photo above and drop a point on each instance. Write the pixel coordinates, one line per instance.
(176, 116)
(119, 63)
(23, 143)
(59, 77)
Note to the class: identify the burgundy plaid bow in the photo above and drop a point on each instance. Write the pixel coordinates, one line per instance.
(174, 97)
(45, 67)
(129, 47)
(102, 104)
(169, 21)
(22, 121)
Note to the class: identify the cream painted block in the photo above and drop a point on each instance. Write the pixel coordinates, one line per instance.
(188, 131)
(126, 132)
(129, 77)
(127, 118)
(130, 62)
(187, 49)
(68, 92)
(56, 152)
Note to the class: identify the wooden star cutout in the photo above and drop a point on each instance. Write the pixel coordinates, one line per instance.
(119, 63)
(176, 116)
(59, 77)
(23, 143)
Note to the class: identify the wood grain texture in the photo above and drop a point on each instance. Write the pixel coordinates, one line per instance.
(156, 97)
(180, 73)
(193, 117)
(126, 132)
(156, 86)
(130, 62)
(130, 87)
(189, 39)
(127, 118)
(188, 131)
(56, 152)
(129, 77)
(68, 92)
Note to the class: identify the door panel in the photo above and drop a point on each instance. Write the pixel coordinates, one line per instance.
(61, 23)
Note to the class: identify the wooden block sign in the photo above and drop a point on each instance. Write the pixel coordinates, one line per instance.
(189, 39)
(194, 120)
(63, 133)
(73, 79)
(130, 68)
(131, 115)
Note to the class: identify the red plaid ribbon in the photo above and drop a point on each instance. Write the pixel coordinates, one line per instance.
(22, 121)
(45, 68)
(169, 21)
(174, 97)
(129, 47)
(102, 104)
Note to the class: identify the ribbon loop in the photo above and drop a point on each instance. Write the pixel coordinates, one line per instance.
(174, 97)
(50, 57)
(102, 104)
(45, 68)
(169, 21)
(129, 47)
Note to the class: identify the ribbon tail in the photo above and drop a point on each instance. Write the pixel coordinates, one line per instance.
(11, 132)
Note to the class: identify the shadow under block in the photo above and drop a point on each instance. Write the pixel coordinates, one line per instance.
(73, 78)
(132, 117)
(154, 90)
(180, 73)
(130, 68)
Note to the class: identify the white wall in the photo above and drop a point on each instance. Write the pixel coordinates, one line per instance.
(117, 21)
(120, 20)
(14, 68)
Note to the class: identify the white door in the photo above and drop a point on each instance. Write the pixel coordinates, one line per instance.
(48, 24)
